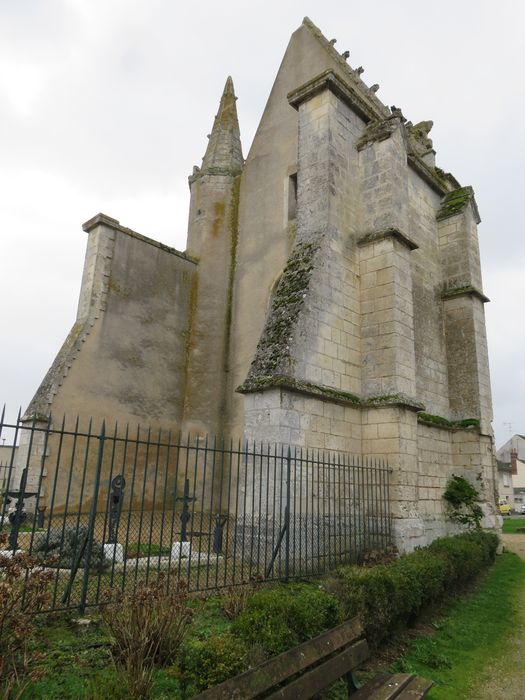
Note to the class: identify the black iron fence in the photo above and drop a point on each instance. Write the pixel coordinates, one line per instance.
(109, 508)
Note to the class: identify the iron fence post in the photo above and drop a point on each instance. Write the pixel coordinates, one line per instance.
(287, 515)
(88, 542)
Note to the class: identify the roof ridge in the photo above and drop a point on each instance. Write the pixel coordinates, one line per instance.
(348, 71)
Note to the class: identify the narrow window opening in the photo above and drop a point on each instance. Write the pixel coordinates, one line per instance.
(292, 197)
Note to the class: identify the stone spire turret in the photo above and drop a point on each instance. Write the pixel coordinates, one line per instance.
(224, 153)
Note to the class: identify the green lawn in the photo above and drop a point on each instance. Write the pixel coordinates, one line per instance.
(511, 524)
(473, 630)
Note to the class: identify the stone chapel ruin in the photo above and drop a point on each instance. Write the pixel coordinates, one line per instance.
(330, 296)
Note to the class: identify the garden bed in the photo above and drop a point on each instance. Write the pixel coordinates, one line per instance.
(247, 624)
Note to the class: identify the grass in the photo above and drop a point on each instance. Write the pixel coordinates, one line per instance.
(144, 549)
(473, 631)
(77, 661)
(510, 525)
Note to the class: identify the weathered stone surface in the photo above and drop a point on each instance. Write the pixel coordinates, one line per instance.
(331, 297)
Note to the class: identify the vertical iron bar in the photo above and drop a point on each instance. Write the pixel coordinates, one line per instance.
(329, 508)
(218, 554)
(274, 513)
(52, 504)
(236, 527)
(164, 499)
(186, 466)
(252, 484)
(367, 500)
(130, 512)
(178, 446)
(91, 523)
(104, 526)
(306, 512)
(11, 463)
(84, 472)
(37, 500)
(267, 517)
(65, 514)
(141, 516)
(195, 472)
(211, 505)
(337, 511)
(40, 481)
(259, 509)
(245, 496)
(293, 521)
(203, 491)
(123, 472)
(153, 505)
(15, 525)
(287, 513)
(389, 510)
(228, 506)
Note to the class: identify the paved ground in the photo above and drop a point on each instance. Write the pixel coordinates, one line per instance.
(507, 675)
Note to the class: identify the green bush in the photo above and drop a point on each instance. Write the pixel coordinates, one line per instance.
(281, 617)
(465, 555)
(60, 549)
(389, 597)
(205, 663)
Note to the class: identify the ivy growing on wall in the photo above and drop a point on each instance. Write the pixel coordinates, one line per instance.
(463, 502)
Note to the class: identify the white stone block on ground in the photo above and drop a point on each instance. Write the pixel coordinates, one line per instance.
(114, 551)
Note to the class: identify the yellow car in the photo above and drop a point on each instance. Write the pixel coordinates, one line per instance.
(505, 509)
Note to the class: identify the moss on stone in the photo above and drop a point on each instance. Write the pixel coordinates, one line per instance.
(253, 384)
(441, 422)
(454, 202)
(273, 351)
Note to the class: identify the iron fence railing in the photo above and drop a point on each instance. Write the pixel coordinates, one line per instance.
(109, 508)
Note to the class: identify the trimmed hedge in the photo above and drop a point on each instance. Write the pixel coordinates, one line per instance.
(389, 597)
(208, 662)
(274, 620)
(277, 619)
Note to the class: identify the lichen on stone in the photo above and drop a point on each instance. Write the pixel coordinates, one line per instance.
(379, 130)
(273, 354)
(419, 135)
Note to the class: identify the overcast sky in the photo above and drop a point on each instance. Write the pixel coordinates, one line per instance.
(105, 106)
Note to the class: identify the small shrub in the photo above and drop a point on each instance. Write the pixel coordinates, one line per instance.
(462, 499)
(60, 549)
(282, 617)
(233, 601)
(24, 591)
(206, 663)
(148, 627)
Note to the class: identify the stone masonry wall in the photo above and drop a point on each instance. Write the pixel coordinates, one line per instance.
(326, 344)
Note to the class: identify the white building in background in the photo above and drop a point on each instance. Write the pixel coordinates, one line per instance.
(511, 461)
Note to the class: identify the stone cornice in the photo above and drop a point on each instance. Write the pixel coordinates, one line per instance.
(427, 174)
(324, 392)
(456, 201)
(214, 171)
(114, 224)
(468, 290)
(389, 232)
(329, 80)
